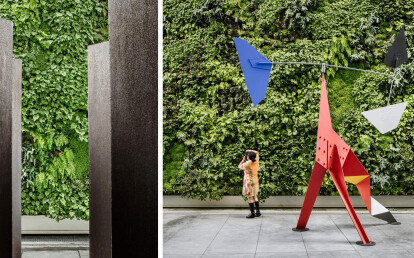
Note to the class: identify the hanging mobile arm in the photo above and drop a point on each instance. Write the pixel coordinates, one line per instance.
(361, 70)
(324, 65)
(342, 67)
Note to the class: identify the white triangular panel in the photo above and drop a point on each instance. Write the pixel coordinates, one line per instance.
(377, 208)
(386, 118)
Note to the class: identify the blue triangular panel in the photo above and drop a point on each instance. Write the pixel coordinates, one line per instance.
(256, 69)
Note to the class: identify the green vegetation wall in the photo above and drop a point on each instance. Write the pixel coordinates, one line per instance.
(209, 119)
(51, 37)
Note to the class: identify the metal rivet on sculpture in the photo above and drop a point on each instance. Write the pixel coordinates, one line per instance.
(332, 152)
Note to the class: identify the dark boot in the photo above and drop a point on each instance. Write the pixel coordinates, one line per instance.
(251, 215)
(257, 214)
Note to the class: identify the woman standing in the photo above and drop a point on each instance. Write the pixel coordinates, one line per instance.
(250, 166)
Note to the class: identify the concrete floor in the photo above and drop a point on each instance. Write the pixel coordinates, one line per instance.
(227, 233)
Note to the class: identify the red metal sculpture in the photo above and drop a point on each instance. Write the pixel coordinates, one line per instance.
(334, 155)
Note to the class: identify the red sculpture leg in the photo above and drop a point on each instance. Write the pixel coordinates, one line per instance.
(337, 174)
(315, 183)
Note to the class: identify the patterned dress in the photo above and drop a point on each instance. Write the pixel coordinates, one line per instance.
(250, 180)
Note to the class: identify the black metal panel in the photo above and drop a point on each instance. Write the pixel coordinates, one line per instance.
(10, 145)
(397, 54)
(99, 93)
(133, 33)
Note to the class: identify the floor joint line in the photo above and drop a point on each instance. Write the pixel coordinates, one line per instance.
(258, 237)
(303, 240)
(215, 235)
(344, 235)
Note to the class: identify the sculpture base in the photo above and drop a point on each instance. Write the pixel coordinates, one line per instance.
(367, 244)
(300, 229)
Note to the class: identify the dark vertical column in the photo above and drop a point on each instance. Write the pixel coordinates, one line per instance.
(99, 109)
(130, 227)
(133, 33)
(10, 145)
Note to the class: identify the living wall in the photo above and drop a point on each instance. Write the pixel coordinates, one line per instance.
(51, 38)
(209, 119)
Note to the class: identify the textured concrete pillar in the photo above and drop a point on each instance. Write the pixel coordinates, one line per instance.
(10, 145)
(123, 141)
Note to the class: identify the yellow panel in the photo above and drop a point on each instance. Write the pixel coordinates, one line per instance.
(355, 179)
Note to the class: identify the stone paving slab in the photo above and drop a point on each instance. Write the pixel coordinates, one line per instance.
(336, 254)
(282, 255)
(227, 233)
(196, 242)
(84, 253)
(234, 241)
(181, 255)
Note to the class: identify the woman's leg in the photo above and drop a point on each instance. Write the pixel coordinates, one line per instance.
(256, 202)
(251, 206)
